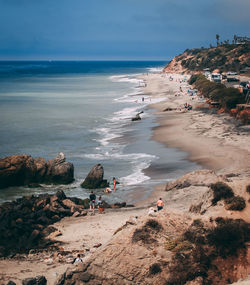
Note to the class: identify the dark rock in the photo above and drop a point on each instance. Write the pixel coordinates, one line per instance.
(20, 170)
(11, 283)
(39, 280)
(60, 195)
(59, 171)
(95, 178)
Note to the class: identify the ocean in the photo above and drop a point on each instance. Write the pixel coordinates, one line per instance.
(84, 109)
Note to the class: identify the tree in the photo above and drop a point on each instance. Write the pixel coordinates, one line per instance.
(217, 39)
(235, 39)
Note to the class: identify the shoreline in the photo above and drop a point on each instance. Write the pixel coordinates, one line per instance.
(190, 131)
(209, 139)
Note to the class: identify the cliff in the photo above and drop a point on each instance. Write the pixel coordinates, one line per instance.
(228, 57)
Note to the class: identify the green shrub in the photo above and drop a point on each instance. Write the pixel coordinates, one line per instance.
(236, 203)
(221, 191)
(193, 78)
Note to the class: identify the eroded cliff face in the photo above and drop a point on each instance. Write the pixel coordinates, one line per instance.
(176, 246)
(225, 58)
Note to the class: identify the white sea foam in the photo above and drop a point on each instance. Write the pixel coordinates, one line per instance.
(137, 176)
(155, 69)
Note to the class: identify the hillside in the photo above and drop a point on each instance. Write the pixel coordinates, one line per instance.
(229, 57)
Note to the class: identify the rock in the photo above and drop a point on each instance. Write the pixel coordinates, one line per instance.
(11, 283)
(76, 214)
(54, 235)
(18, 170)
(59, 171)
(95, 178)
(68, 203)
(82, 276)
(84, 213)
(60, 195)
(38, 280)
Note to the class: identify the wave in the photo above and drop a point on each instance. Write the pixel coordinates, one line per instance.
(155, 69)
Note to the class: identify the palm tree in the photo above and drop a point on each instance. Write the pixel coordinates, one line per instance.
(217, 39)
(235, 39)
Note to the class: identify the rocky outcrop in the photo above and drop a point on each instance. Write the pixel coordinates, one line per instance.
(38, 280)
(95, 179)
(169, 249)
(25, 223)
(20, 170)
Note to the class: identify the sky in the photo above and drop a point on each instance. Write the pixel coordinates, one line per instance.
(116, 29)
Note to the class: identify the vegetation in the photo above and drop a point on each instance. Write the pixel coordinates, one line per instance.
(221, 191)
(227, 97)
(154, 269)
(225, 57)
(227, 238)
(236, 203)
(146, 233)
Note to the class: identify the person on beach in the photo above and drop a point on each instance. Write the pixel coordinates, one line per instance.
(77, 259)
(159, 204)
(100, 205)
(92, 198)
(107, 190)
(114, 183)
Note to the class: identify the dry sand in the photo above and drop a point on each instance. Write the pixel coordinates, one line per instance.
(215, 141)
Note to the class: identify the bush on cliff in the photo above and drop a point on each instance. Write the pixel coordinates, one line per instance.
(229, 236)
(236, 203)
(221, 191)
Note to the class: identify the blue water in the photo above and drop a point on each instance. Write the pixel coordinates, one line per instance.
(84, 110)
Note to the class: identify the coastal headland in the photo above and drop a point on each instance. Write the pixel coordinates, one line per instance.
(198, 238)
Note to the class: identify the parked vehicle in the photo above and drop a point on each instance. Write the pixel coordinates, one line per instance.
(232, 79)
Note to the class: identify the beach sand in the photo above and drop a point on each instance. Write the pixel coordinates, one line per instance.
(217, 142)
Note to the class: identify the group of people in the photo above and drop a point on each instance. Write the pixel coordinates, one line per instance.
(100, 204)
(92, 203)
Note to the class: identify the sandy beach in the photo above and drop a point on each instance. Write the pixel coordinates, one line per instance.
(215, 141)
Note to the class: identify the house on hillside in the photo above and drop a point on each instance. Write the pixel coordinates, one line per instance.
(242, 40)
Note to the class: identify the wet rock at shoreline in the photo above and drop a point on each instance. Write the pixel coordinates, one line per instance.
(18, 170)
(95, 179)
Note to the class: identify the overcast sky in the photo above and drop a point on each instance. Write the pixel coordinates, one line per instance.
(116, 29)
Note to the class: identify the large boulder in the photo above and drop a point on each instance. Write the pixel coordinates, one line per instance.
(59, 171)
(20, 170)
(95, 178)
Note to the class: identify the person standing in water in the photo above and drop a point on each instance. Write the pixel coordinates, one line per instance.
(159, 204)
(114, 183)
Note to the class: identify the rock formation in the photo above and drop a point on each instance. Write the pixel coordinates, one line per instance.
(20, 170)
(24, 223)
(95, 178)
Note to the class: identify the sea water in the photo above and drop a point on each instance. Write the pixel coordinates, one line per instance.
(84, 110)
